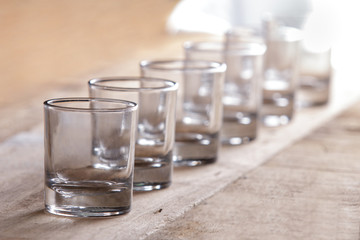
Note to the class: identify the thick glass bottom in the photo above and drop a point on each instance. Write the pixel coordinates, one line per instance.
(313, 91)
(193, 149)
(237, 140)
(153, 173)
(193, 162)
(276, 120)
(144, 186)
(239, 128)
(278, 108)
(87, 198)
(71, 211)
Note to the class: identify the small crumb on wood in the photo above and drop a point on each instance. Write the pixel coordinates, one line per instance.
(158, 211)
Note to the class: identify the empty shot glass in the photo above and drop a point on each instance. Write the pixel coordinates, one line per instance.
(314, 63)
(156, 99)
(315, 74)
(199, 107)
(89, 156)
(280, 75)
(242, 90)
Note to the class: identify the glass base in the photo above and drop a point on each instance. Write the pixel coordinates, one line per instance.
(193, 162)
(86, 211)
(237, 140)
(277, 108)
(193, 149)
(276, 120)
(239, 128)
(87, 198)
(153, 173)
(313, 91)
(150, 186)
(308, 104)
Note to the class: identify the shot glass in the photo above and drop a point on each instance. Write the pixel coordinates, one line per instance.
(156, 99)
(314, 76)
(280, 75)
(199, 107)
(89, 156)
(314, 70)
(242, 91)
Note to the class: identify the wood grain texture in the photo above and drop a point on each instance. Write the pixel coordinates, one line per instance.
(311, 190)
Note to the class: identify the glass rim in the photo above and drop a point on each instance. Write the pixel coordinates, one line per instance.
(96, 82)
(126, 106)
(245, 48)
(212, 66)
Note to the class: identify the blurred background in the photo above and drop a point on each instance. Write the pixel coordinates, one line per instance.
(332, 22)
(49, 45)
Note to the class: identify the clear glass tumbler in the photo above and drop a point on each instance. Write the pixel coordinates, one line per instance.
(314, 77)
(89, 156)
(242, 91)
(156, 99)
(280, 75)
(199, 107)
(314, 63)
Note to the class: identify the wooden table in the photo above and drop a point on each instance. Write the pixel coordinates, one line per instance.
(310, 190)
(301, 181)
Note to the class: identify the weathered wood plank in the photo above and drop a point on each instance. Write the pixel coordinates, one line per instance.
(22, 213)
(305, 192)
